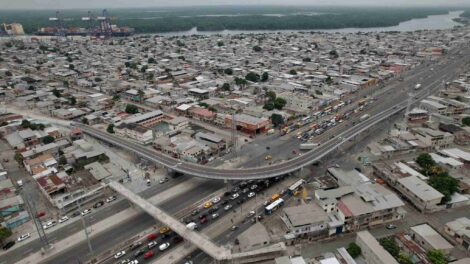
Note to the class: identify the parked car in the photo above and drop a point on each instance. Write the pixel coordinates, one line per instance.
(136, 245)
(152, 244)
(40, 214)
(164, 246)
(119, 254)
(86, 211)
(74, 214)
(49, 224)
(234, 196)
(148, 255)
(214, 216)
(251, 194)
(139, 252)
(110, 199)
(195, 212)
(24, 237)
(391, 226)
(208, 205)
(152, 236)
(227, 207)
(164, 230)
(98, 204)
(233, 228)
(177, 239)
(203, 220)
(163, 180)
(215, 200)
(8, 245)
(63, 219)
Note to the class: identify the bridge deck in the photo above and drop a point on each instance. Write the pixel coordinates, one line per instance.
(202, 242)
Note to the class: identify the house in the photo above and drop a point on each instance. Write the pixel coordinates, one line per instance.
(459, 230)
(148, 119)
(433, 106)
(308, 219)
(202, 114)
(434, 138)
(372, 251)
(248, 124)
(419, 193)
(200, 94)
(137, 132)
(430, 239)
(211, 140)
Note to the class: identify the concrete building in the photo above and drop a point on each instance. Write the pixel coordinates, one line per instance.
(248, 124)
(433, 107)
(137, 132)
(430, 239)
(148, 119)
(434, 138)
(307, 219)
(372, 251)
(418, 192)
(459, 230)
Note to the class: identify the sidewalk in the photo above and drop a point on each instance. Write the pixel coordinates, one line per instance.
(106, 224)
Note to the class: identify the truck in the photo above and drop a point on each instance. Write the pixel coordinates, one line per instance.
(364, 117)
(191, 226)
(306, 146)
(417, 86)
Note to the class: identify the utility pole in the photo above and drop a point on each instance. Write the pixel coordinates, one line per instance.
(33, 213)
(85, 227)
(234, 135)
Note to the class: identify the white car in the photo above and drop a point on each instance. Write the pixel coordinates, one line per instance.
(24, 237)
(214, 216)
(234, 196)
(250, 214)
(135, 261)
(164, 246)
(86, 211)
(49, 224)
(119, 254)
(251, 194)
(63, 219)
(110, 199)
(227, 207)
(216, 200)
(163, 180)
(152, 244)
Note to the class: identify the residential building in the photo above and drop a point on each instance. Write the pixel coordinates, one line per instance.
(430, 239)
(420, 194)
(459, 230)
(372, 251)
(307, 219)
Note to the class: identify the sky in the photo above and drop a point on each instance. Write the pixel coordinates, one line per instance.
(89, 4)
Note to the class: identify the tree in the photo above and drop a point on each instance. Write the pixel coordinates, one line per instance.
(264, 76)
(306, 60)
(404, 259)
(141, 94)
(444, 184)
(334, 54)
(271, 95)
(436, 257)
(391, 246)
(269, 106)
(19, 158)
(151, 60)
(425, 161)
(72, 100)
(65, 83)
(56, 93)
(132, 109)
(318, 92)
(226, 87)
(48, 139)
(25, 123)
(62, 160)
(228, 71)
(277, 120)
(4, 233)
(71, 67)
(466, 121)
(257, 48)
(85, 121)
(8, 73)
(220, 43)
(98, 79)
(279, 103)
(293, 72)
(116, 97)
(110, 129)
(252, 77)
(240, 82)
(354, 250)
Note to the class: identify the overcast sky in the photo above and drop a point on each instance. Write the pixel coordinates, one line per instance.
(65, 4)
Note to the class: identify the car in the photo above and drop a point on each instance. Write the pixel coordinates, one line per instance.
(208, 205)
(86, 211)
(177, 239)
(152, 244)
(234, 227)
(74, 214)
(98, 204)
(391, 226)
(164, 246)
(253, 187)
(268, 157)
(152, 236)
(251, 194)
(164, 230)
(135, 261)
(148, 182)
(245, 190)
(234, 196)
(8, 245)
(195, 212)
(216, 200)
(124, 261)
(110, 199)
(49, 224)
(119, 254)
(63, 219)
(40, 214)
(203, 220)
(163, 180)
(139, 252)
(202, 216)
(136, 245)
(24, 237)
(250, 214)
(214, 216)
(148, 255)
(227, 207)
(225, 202)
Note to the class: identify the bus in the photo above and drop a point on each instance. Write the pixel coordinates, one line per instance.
(273, 206)
(308, 146)
(296, 186)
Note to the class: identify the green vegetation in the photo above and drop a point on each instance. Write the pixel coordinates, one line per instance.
(354, 250)
(110, 129)
(439, 178)
(26, 124)
(277, 120)
(228, 71)
(56, 93)
(62, 160)
(4, 233)
(220, 43)
(85, 121)
(436, 257)
(264, 76)
(274, 102)
(226, 87)
(72, 100)
(293, 72)
(182, 19)
(252, 77)
(257, 48)
(48, 139)
(466, 121)
(132, 109)
(391, 246)
(404, 259)
(19, 158)
(240, 82)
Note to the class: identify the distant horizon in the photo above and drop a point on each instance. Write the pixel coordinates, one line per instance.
(414, 5)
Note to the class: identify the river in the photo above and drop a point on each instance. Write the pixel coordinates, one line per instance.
(429, 23)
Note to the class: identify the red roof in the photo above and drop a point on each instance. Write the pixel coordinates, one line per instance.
(344, 209)
(202, 112)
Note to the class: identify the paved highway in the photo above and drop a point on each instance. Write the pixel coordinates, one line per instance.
(388, 105)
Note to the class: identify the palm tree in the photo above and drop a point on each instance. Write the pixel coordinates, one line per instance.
(141, 95)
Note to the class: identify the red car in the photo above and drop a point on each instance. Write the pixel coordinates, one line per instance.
(203, 220)
(152, 237)
(148, 255)
(40, 214)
